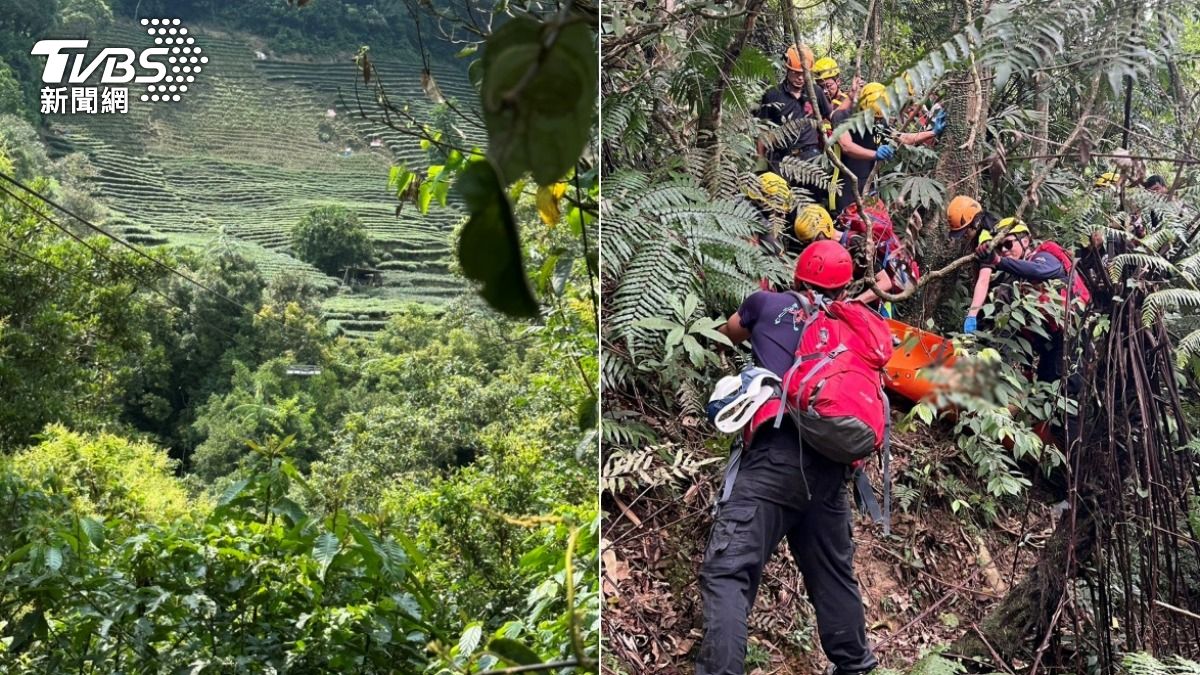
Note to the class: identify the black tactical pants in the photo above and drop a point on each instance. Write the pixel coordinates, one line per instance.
(768, 503)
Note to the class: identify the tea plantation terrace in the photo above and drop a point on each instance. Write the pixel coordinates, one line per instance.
(251, 147)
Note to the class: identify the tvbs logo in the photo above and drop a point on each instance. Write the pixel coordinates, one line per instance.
(166, 70)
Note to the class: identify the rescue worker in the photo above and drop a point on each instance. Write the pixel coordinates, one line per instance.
(1017, 255)
(916, 116)
(1142, 225)
(772, 196)
(1156, 184)
(776, 492)
(828, 76)
(894, 268)
(812, 223)
(967, 221)
(860, 152)
(789, 102)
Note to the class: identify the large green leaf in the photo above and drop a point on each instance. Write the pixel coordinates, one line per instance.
(324, 551)
(469, 641)
(489, 247)
(233, 491)
(539, 94)
(93, 529)
(514, 652)
(54, 559)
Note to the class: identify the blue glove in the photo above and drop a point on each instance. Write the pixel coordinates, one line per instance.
(885, 153)
(939, 123)
(969, 325)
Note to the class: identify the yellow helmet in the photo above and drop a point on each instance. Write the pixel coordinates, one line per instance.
(1004, 228)
(825, 68)
(1108, 179)
(1009, 226)
(771, 191)
(873, 97)
(813, 221)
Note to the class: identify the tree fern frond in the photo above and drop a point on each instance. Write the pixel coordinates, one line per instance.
(805, 172)
(785, 135)
(622, 183)
(1156, 241)
(1189, 267)
(1144, 261)
(1169, 299)
(616, 372)
(1187, 349)
(670, 239)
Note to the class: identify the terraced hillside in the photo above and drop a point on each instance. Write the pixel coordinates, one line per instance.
(251, 147)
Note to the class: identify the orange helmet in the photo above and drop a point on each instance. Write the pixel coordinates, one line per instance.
(799, 58)
(961, 212)
(824, 264)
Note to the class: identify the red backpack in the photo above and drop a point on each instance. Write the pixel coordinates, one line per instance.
(834, 389)
(1078, 289)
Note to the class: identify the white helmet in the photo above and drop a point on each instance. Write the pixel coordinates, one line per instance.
(736, 398)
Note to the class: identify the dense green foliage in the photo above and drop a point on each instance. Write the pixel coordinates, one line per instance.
(255, 585)
(316, 27)
(332, 239)
(199, 470)
(449, 471)
(1038, 97)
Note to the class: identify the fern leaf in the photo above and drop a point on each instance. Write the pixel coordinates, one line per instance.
(1187, 349)
(1160, 302)
(1140, 261)
(805, 171)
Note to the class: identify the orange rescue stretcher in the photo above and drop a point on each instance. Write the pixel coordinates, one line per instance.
(916, 350)
(919, 350)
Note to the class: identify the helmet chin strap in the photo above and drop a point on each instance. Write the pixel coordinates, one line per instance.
(822, 298)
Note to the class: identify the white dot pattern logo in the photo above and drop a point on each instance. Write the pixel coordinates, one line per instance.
(190, 55)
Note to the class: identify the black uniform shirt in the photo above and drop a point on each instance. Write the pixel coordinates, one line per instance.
(875, 138)
(779, 105)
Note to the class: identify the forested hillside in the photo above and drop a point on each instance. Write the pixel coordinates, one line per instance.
(257, 143)
(1038, 523)
(258, 412)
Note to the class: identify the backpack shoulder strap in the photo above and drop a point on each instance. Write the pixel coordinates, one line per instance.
(1056, 251)
(812, 313)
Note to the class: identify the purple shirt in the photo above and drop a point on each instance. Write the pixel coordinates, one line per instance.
(774, 321)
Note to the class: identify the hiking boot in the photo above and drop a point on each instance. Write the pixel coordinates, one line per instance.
(834, 670)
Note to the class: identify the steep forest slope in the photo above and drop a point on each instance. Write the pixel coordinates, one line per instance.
(1035, 527)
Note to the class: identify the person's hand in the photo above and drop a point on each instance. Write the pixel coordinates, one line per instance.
(939, 123)
(969, 325)
(986, 256)
(856, 86)
(885, 153)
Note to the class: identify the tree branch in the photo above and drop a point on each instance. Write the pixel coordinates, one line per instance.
(1041, 177)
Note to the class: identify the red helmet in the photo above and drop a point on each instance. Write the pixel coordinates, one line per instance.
(825, 264)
